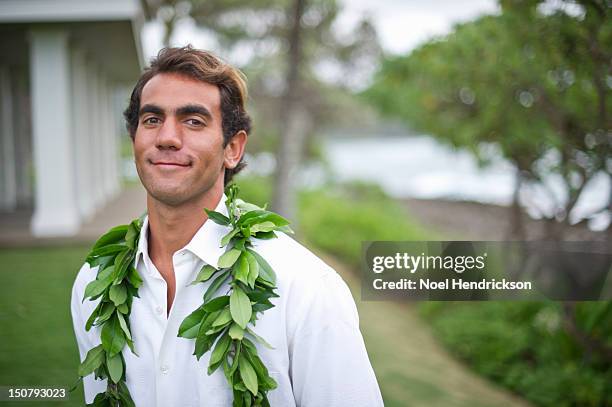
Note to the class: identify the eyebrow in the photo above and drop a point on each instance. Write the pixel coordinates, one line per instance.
(181, 111)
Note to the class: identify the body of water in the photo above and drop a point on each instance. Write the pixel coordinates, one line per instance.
(421, 167)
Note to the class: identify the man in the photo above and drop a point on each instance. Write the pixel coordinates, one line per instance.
(189, 128)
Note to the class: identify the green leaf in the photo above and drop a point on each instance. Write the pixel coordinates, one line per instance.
(236, 332)
(240, 307)
(102, 261)
(112, 336)
(216, 329)
(105, 273)
(115, 367)
(248, 375)
(218, 218)
(93, 360)
(259, 339)
(246, 207)
(225, 239)
(228, 258)
(261, 307)
(265, 271)
(236, 359)
(215, 285)
(206, 272)
(115, 234)
(122, 263)
(132, 235)
(216, 303)
(95, 288)
(223, 319)
(241, 269)
(267, 216)
(123, 308)
(105, 313)
(207, 322)
(204, 342)
(250, 216)
(253, 269)
(265, 235)
(106, 250)
(250, 346)
(191, 324)
(93, 316)
(124, 326)
(124, 395)
(134, 277)
(219, 351)
(263, 227)
(117, 294)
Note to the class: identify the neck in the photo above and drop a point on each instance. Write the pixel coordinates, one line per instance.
(172, 227)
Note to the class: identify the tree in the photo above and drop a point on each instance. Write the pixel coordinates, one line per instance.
(531, 81)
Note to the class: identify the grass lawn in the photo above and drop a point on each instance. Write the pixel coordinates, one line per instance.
(38, 344)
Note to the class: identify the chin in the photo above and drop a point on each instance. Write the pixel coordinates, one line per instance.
(173, 196)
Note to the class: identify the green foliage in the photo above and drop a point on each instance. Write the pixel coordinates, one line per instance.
(533, 84)
(338, 221)
(525, 346)
(221, 322)
(116, 284)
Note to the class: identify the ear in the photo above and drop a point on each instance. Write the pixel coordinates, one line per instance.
(235, 149)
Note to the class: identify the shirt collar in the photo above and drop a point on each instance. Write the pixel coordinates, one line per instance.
(205, 244)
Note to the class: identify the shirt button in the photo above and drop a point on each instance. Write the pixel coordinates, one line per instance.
(164, 369)
(159, 310)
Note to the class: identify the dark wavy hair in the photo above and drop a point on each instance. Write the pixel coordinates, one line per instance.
(206, 67)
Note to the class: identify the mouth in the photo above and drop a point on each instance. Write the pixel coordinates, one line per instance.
(170, 164)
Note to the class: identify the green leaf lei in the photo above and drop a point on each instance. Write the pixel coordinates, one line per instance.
(221, 323)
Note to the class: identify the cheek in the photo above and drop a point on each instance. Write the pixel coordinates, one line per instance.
(139, 146)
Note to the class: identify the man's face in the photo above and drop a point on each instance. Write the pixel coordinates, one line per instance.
(178, 146)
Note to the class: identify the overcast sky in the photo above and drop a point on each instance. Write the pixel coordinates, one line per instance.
(401, 24)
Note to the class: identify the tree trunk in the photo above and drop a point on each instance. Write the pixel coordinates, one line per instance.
(516, 228)
(293, 123)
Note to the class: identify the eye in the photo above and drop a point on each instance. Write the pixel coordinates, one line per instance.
(195, 122)
(151, 120)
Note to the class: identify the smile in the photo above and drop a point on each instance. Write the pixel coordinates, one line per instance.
(167, 164)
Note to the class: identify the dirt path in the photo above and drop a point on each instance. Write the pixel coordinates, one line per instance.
(411, 367)
(462, 220)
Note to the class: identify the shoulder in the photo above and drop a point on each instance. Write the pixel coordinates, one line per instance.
(310, 287)
(85, 275)
(292, 261)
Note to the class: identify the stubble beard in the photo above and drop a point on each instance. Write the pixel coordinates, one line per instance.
(174, 193)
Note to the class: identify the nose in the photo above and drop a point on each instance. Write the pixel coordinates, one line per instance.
(169, 135)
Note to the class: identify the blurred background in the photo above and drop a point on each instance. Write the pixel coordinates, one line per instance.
(373, 120)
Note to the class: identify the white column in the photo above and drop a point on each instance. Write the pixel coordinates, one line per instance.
(105, 137)
(81, 129)
(94, 134)
(56, 212)
(115, 146)
(23, 136)
(8, 185)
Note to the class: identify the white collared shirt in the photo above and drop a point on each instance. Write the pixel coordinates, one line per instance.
(319, 358)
